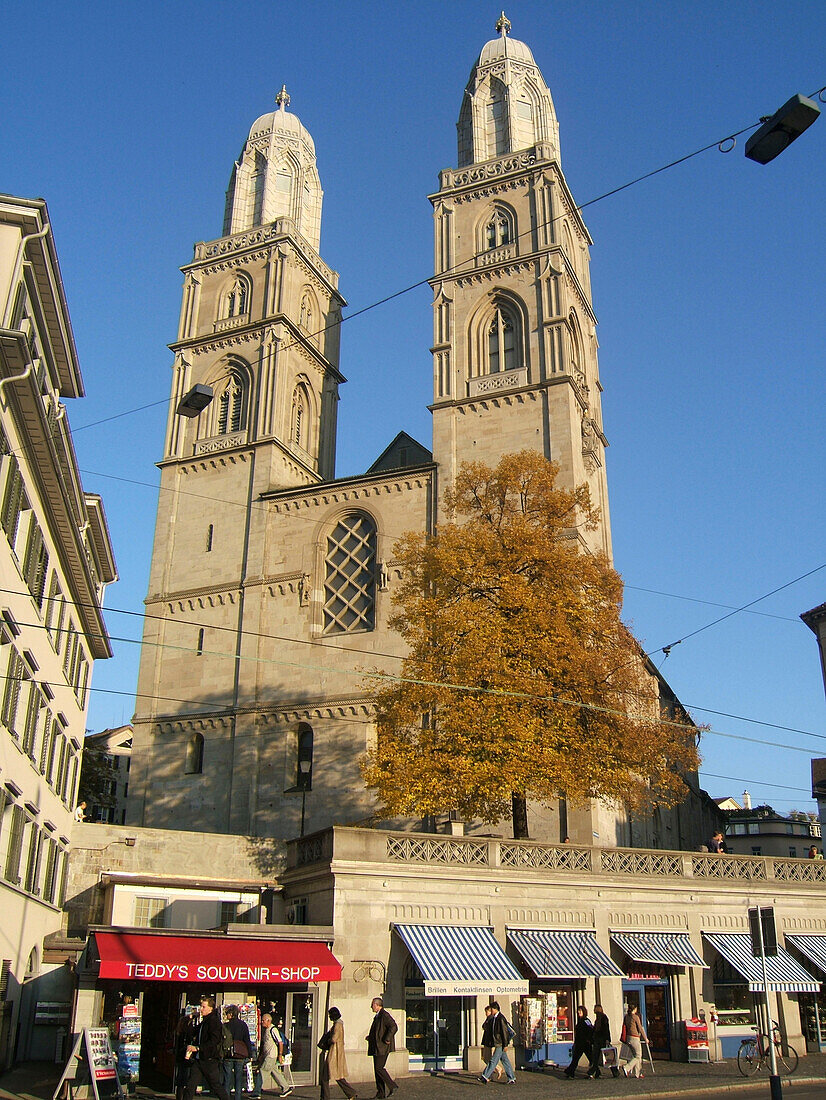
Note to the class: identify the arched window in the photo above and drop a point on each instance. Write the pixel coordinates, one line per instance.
(237, 300)
(195, 754)
(503, 351)
(306, 316)
(498, 231)
(300, 422)
(350, 575)
(231, 404)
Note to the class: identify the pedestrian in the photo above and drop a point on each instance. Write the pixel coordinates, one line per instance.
(270, 1060)
(813, 853)
(497, 1034)
(235, 1066)
(80, 812)
(381, 1042)
(487, 1049)
(583, 1040)
(184, 1035)
(717, 844)
(205, 1054)
(634, 1036)
(334, 1065)
(602, 1038)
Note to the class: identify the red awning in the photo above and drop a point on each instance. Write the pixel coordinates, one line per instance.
(222, 960)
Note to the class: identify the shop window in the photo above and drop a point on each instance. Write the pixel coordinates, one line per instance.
(150, 913)
(735, 1003)
(229, 913)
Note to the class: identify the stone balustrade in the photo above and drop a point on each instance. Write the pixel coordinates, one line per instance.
(496, 853)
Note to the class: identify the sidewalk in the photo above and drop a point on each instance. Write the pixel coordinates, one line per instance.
(37, 1081)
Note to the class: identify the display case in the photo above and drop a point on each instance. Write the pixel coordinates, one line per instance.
(696, 1040)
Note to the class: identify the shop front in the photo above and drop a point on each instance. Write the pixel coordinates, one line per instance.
(654, 961)
(738, 977)
(812, 1005)
(140, 984)
(560, 962)
(450, 966)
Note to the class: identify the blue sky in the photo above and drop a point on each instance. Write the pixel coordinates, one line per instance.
(707, 282)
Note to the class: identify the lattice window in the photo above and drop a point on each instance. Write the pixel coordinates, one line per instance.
(350, 576)
(497, 231)
(149, 912)
(237, 300)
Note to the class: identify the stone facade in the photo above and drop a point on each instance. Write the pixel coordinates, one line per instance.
(271, 581)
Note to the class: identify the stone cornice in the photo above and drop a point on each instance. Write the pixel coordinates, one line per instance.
(530, 392)
(453, 180)
(283, 713)
(351, 489)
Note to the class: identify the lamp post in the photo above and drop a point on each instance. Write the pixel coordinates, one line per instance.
(305, 768)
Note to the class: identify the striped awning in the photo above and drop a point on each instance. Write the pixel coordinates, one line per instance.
(783, 973)
(813, 947)
(659, 948)
(552, 954)
(456, 960)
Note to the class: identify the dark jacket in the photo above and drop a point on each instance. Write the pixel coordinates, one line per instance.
(494, 1031)
(209, 1037)
(382, 1031)
(240, 1031)
(602, 1031)
(583, 1033)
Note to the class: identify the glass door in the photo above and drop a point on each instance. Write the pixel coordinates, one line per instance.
(300, 1020)
(435, 1031)
(652, 1001)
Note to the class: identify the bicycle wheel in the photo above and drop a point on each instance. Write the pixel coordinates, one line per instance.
(748, 1057)
(787, 1063)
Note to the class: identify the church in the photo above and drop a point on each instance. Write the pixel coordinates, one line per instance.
(272, 580)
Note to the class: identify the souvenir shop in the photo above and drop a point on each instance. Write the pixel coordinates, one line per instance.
(141, 985)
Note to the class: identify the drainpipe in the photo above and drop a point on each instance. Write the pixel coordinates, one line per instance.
(18, 264)
(17, 377)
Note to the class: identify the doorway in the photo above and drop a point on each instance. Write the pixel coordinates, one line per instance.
(435, 1030)
(651, 998)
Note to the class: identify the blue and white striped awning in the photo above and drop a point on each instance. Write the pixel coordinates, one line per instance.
(813, 947)
(783, 973)
(659, 948)
(562, 954)
(456, 960)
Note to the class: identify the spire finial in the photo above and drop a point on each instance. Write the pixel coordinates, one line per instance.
(283, 98)
(503, 24)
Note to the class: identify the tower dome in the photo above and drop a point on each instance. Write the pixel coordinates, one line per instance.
(276, 176)
(507, 105)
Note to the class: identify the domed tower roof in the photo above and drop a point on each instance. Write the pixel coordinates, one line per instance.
(276, 176)
(507, 105)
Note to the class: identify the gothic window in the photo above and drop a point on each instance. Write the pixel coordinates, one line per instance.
(237, 297)
(300, 421)
(304, 758)
(497, 121)
(231, 411)
(498, 231)
(195, 754)
(502, 341)
(350, 575)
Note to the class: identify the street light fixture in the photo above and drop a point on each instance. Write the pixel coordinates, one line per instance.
(779, 131)
(305, 769)
(194, 402)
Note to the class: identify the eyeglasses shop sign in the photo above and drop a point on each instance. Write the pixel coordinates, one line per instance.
(474, 988)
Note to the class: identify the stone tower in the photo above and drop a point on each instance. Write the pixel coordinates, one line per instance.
(514, 332)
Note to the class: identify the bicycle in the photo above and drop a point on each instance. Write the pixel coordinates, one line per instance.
(755, 1053)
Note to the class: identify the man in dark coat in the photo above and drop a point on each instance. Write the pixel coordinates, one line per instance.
(602, 1038)
(380, 1043)
(205, 1054)
(497, 1034)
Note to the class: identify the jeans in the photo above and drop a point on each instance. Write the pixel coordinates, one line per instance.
(499, 1055)
(235, 1076)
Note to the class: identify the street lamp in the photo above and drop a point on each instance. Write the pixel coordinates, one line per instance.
(304, 784)
(195, 401)
(779, 131)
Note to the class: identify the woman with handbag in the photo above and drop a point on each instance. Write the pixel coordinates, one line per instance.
(602, 1039)
(334, 1064)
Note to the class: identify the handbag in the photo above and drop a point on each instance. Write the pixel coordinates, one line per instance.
(326, 1041)
(609, 1056)
(624, 1034)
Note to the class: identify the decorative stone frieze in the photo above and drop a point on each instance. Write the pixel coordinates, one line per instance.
(220, 443)
(625, 919)
(446, 914)
(558, 918)
(494, 383)
(478, 173)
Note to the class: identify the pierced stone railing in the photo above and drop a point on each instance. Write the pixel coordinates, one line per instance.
(800, 870)
(566, 858)
(729, 867)
(622, 861)
(497, 383)
(419, 849)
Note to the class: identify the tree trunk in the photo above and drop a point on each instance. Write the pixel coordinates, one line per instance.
(519, 810)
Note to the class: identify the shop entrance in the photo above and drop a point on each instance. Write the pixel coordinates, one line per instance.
(651, 998)
(435, 1030)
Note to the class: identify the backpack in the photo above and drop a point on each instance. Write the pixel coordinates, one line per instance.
(508, 1031)
(280, 1036)
(227, 1042)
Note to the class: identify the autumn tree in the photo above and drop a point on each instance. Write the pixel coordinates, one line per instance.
(521, 681)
